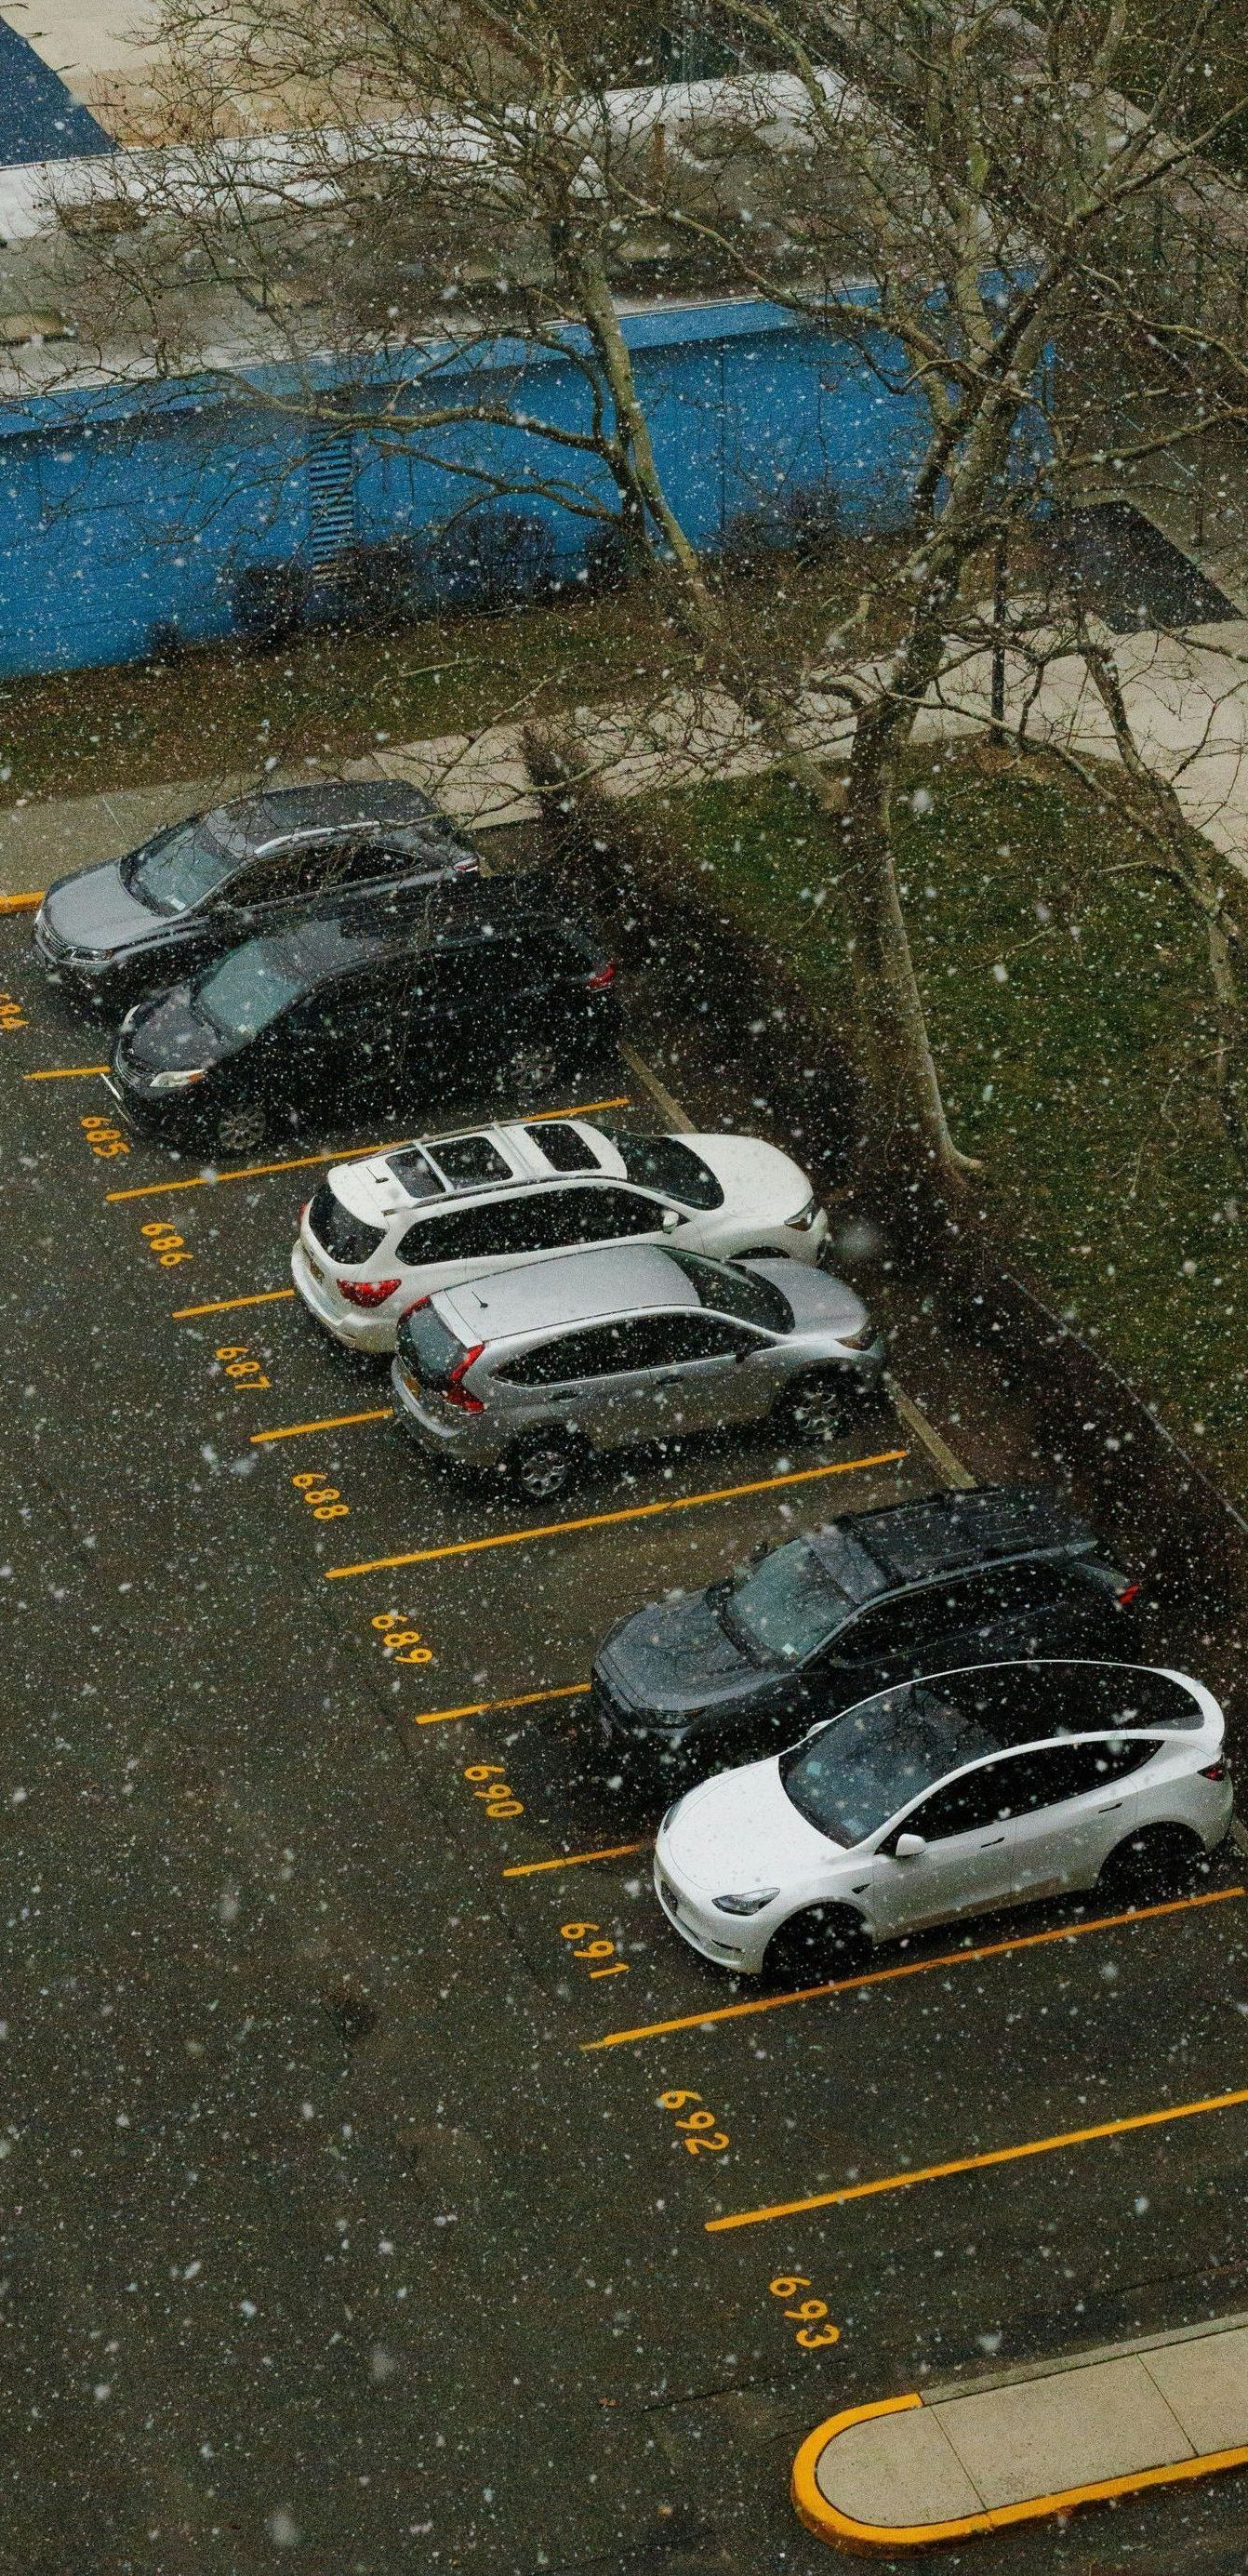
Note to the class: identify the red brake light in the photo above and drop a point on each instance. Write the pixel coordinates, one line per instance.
(601, 977)
(367, 1292)
(454, 1392)
(1214, 1770)
(304, 1210)
(1130, 1594)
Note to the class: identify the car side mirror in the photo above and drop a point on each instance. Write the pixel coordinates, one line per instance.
(909, 1846)
(670, 1220)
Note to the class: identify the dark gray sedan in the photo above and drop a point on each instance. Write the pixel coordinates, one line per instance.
(109, 935)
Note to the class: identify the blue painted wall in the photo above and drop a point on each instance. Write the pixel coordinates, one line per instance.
(116, 521)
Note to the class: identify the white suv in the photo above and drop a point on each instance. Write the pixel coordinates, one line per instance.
(381, 1233)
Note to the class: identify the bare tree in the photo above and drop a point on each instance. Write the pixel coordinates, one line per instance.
(955, 190)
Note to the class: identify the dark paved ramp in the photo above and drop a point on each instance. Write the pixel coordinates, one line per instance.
(1131, 575)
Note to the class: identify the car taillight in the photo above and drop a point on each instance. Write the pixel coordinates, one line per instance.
(601, 977)
(304, 1210)
(1130, 1592)
(1214, 1770)
(455, 1392)
(367, 1292)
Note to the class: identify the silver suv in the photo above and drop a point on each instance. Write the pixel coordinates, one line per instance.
(533, 1368)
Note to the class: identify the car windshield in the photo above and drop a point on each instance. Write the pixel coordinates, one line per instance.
(177, 868)
(856, 1772)
(735, 1292)
(786, 1606)
(250, 987)
(663, 1163)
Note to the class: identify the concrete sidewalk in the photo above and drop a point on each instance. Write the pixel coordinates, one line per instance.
(966, 2461)
(1187, 699)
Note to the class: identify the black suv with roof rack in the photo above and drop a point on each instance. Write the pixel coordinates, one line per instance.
(980, 1577)
(350, 1013)
(197, 888)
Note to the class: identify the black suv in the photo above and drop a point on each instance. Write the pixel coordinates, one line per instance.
(110, 934)
(345, 1015)
(811, 1627)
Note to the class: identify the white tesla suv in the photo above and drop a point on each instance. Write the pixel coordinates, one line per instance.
(381, 1233)
(947, 1797)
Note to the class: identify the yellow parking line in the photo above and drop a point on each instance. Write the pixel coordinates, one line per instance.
(20, 902)
(611, 1520)
(335, 1422)
(572, 1860)
(259, 1171)
(911, 1968)
(979, 2164)
(483, 1707)
(63, 1072)
(226, 1305)
(333, 1154)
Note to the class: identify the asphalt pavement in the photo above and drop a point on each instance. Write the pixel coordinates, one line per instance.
(349, 2226)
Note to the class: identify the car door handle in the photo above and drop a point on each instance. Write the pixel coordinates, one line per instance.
(1110, 1807)
(992, 1842)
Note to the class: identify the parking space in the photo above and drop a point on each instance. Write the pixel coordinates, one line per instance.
(322, 1713)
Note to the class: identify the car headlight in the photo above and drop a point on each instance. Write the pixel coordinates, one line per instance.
(859, 1341)
(805, 1217)
(177, 1081)
(752, 1903)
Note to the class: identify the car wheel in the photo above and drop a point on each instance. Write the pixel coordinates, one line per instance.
(242, 1130)
(532, 1067)
(543, 1466)
(816, 1406)
(1158, 1861)
(825, 1941)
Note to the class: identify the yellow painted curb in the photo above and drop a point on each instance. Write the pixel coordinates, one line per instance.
(20, 902)
(843, 2532)
(823, 2518)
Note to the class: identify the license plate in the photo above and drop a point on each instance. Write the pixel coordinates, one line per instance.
(316, 1270)
(411, 1383)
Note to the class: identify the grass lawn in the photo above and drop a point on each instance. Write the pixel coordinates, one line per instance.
(337, 695)
(1068, 1009)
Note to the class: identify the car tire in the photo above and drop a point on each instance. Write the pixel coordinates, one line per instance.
(243, 1130)
(531, 1068)
(821, 1943)
(815, 1407)
(1156, 1862)
(542, 1466)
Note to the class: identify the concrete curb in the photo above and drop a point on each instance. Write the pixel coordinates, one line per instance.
(964, 2462)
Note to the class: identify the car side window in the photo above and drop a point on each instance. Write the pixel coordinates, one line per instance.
(1011, 1591)
(366, 863)
(532, 1223)
(1056, 1772)
(593, 1215)
(452, 1234)
(978, 1798)
(942, 1610)
(596, 1352)
(262, 882)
